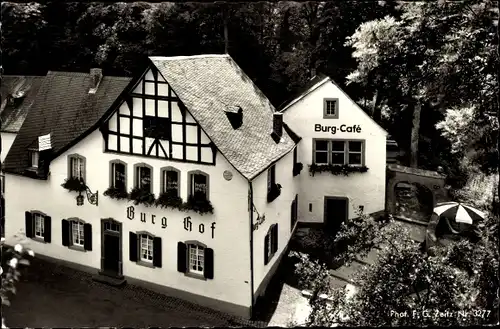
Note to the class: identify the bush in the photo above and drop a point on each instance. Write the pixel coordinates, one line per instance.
(74, 184)
(480, 191)
(116, 193)
(169, 199)
(141, 195)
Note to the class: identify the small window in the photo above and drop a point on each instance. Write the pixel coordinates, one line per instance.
(77, 233)
(146, 248)
(331, 108)
(199, 185)
(38, 220)
(270, 243)
(170, 181)
(156, 127)
(271, 178)
(34, 159)
(118, 176)
(196, 255)
(76, 166)
(143, 177)
(38, 226)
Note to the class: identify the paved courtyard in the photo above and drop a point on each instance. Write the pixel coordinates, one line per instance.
(51, 295)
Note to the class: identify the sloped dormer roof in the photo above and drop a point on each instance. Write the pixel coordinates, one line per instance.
(208, 85)
(64, 108)
(18, 94)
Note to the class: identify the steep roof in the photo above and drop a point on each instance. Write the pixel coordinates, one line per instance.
(210, 84)
(64, 108)
(18, 94)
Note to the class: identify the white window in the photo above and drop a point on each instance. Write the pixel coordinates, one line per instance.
(196, 254)
(331, 108)
(77, 167)
(34, 159)
(146, 248)
(335, 152)
(77, 233)
(39, 225)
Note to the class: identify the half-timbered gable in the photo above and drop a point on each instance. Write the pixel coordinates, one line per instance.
(152, 121)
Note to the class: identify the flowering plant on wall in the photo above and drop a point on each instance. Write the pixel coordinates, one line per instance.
(116, 193)
(297, 168)
(74, 184)
(169, 198)
(142, 195)
(199, 203)
(336, 169)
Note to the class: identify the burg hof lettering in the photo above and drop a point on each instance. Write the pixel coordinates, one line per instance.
(188, 225)
(333, 129)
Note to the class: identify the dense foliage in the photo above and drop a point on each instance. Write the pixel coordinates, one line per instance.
(434, 58)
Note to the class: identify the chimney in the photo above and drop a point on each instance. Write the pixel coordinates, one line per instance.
(313, 73)
(95, 79)
(278, 124)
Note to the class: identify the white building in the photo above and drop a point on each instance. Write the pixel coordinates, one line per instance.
(193, 133)
(343, 152)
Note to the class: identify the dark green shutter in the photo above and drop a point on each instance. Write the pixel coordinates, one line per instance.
(47, 229)
(266, 249)
(274, 238)
(65, 231)
(181, 257)
(132, 242)
(157, 252)
(87, 236)
(209, 263)
(29, 224)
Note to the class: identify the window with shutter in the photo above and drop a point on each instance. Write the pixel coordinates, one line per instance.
(270, 243)
(181, 257)
(39, 222)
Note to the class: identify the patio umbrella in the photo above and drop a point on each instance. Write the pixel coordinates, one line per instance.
(459, 212)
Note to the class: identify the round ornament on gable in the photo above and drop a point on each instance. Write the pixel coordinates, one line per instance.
(227, 175)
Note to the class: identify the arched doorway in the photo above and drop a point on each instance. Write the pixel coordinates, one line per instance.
(413, 201)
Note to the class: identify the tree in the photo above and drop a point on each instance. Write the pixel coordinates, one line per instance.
(436, 56)
(12, 259)
(460, 278)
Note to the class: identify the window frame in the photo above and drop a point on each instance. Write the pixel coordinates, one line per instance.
(163, 181)
(76, 156)
(44, 217)
(149, 247)
(191, 182)
(34, 153)
(189, 271)
(346, 151)
(137, 175)
(38, 215)
(269, 238)
(112, 176)
(72, 244)
(335, 115)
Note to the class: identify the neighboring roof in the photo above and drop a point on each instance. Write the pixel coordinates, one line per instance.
(314, 84)
(209, 84)
(18, 94)
(64, 108)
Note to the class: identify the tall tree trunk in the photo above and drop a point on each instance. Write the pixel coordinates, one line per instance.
(376, 110)
(498, 109)
(226, 32)
(417, 108)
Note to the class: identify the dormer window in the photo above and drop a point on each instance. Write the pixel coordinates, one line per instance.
(331, 108)
(34, 158)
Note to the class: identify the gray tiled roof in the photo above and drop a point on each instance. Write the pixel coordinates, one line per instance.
(208, 85)
(64, 108)
(18, 94)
